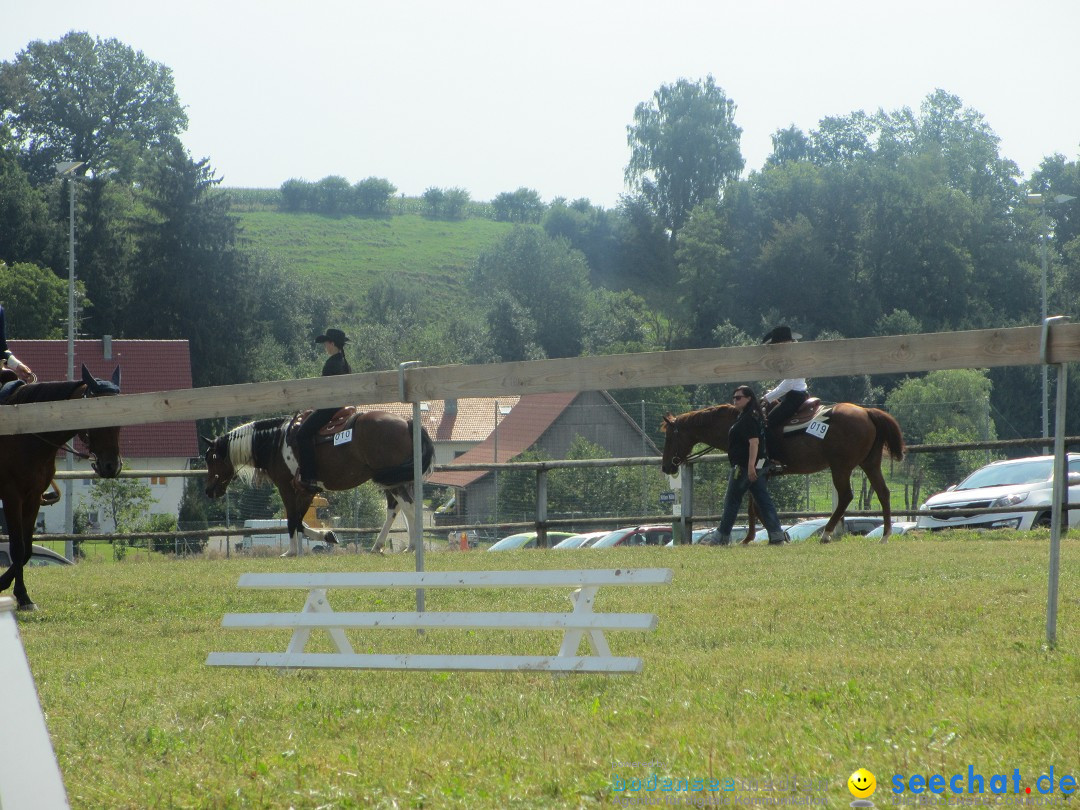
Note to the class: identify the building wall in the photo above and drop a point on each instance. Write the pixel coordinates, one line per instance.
(591, 416)
(167, 492)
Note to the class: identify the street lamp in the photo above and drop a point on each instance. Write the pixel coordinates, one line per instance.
(1040, 200)
(68, 171)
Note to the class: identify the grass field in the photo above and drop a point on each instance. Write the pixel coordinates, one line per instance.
(797, 664)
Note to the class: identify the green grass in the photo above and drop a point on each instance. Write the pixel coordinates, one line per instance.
(925, 655)
(347, 255)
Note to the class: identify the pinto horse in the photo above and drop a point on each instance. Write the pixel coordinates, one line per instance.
(855, 437)
(372, 446)
(28, 463)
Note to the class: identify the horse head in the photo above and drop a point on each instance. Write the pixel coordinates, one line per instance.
(219, 467)
(103, 443)
(677, 445)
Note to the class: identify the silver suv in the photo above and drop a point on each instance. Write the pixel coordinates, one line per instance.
(1022, 482)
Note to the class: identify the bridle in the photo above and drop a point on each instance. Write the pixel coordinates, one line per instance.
(678, 461)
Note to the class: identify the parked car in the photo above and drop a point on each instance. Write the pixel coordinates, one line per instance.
(898, 527)
(1016, 482)
(526, 540)
(635, 536)
(708, 538)
(580, 540)
(805, 529)
(39, 555)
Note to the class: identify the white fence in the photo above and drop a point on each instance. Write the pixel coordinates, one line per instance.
(582, 623)
(29, 775)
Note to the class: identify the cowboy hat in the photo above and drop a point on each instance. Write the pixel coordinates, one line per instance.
(335, 336)
(781, 334)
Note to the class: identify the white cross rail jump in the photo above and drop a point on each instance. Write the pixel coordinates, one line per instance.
(582, 623)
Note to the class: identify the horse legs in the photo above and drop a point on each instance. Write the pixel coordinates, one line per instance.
(20, 535)
(842, 483)
(295, 508)
(881, 489)
(751, 520)
(319, 535)
(392, 509)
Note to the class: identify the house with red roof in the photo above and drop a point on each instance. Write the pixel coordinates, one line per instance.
(145, 365)
(543, 422)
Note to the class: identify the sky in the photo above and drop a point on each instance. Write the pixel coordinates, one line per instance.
(494, 95)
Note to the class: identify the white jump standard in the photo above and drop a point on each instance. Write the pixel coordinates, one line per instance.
(582, 623)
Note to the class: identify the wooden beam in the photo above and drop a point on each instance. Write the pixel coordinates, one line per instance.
(985, 348)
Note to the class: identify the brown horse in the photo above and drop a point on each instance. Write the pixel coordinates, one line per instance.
(28, 463)
(374, 446)
(855, 437)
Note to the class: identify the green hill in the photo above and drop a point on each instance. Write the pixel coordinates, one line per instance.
(346, 255)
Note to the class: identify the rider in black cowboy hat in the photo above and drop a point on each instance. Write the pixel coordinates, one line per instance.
(788, 395)
(334, 342)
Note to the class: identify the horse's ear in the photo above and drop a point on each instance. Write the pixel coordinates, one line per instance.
(116, 377)
(87, 377)
(668, 420)
(207, 440)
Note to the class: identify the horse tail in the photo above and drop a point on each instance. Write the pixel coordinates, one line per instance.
(403, 473)
(888, 432)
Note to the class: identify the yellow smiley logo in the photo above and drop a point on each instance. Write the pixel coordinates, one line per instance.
(862, 784)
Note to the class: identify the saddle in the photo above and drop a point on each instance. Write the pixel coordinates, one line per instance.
(808, 411)
(9, 382)
(342, 420)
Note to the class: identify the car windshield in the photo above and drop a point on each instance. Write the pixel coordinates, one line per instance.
(611, 538)
(514, 541)
(800, 531)
(1003, 475)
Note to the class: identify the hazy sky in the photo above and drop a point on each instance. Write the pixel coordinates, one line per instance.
(491, 96)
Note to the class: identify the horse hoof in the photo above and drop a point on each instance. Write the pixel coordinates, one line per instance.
(27, 606)
(289, 554)
(825, 539)
(331, 538)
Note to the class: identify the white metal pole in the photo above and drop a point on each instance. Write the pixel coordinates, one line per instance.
(69, 463)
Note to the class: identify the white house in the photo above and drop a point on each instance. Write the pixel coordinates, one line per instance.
(145, 365)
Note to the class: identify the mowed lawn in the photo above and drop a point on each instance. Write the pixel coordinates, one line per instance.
(795, 664)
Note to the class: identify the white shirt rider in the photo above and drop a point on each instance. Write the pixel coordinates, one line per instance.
(794, 384)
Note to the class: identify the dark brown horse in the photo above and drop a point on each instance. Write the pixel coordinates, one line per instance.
(855, 437)
(375, 446)
(28, 463)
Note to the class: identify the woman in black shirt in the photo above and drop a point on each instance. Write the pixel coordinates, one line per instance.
(744, 446)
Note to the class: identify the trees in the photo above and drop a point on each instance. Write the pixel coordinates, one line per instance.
(529, 273)
(684, 148)
(522, 206)
(89, 99)
(35, 300)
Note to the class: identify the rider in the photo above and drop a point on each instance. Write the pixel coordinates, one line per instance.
(785, 397)
(306, 477)
(743, 446)
(7, 359)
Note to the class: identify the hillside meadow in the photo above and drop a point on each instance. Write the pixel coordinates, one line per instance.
(775, 672)
(347, 255)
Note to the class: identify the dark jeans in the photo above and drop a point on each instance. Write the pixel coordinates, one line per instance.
(738, 485)
(305, 441)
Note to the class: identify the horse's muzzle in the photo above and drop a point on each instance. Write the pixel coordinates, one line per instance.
(669, 468)
(108, 468)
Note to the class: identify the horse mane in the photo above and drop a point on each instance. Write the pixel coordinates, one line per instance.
(44, 392)
(252, 446)
(702, 417)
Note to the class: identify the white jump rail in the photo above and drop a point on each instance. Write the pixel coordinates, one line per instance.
(29, 774)
(581, 623)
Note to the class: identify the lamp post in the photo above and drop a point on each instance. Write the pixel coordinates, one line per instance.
(1044, 235)
(67, 170)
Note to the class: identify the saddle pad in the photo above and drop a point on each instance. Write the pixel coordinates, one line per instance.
(822, 414)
